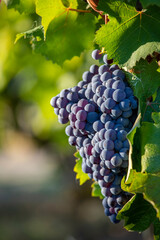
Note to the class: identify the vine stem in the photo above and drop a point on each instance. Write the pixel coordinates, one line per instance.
(78, 10)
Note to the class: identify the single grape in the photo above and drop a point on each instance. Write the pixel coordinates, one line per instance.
(121, 135)
(62, 120)
(119, 95)
(79, 124)
(111, 134)
(98, 125)
(69, 130)
(62, 102)
(113, 218)
(96, 54)
(125, 105)
(94, 69)
(118, 85)
(105, 77)
(100, 90)
(82, 103)
(92, 117)
(108, 144)
(53, 102)
(118, 145)
(103, 68)
(110, 103)
(106, 155)
(109, 125)
(116, 160)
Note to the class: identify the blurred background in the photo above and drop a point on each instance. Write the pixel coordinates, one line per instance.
(39, 195)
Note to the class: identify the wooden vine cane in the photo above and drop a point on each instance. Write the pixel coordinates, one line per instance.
(94, 5)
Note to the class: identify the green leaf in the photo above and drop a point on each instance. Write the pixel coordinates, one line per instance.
(145, 183)
(34, 35)
(146, 3)
(52, 9)
(83, 177)
(137, 214)
(60, 43)
(96, 190)
(65, 40)
(126, 40)
(145, 82)
(26, 6)
(156, 229)
(150, 146)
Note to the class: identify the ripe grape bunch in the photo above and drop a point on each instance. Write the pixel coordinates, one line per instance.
(101, 111)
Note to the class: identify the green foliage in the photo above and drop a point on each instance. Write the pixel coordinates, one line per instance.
(80, 175)
(133, 36)
(138, 214)
(26, 6)
(96, 190)
(141, 83)
(51, 9)
(146, 3)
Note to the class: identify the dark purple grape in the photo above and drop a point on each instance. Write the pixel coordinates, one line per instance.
(116, 160)
(125, 105)
(108, 93)
(103, 68)
(62, 120)
(111, 134)
(87, 76)
(110, 103)
(69, 131)
(98, 125)
(96, 54)
(80, 125)
(113, 218)
(92, 117)
(118, 85)
(61, 102)
(105, 77)
(119, 95)
(108, 144)
(81, 115)
(94, 69)
(53, 102)
(82, 103)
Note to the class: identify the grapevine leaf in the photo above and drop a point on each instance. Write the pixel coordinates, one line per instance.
(146, 3)
(34, 35)
(145, 183)
(26, 6)
(67, 39)
(150, 145)
(156, 229)
(83, 177)
(130, 35)
(137, 213)
(61, 35)
(96, 190)
(145, 81)
(110, 7)
(52, 9)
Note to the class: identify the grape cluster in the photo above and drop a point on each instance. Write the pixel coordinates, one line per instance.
(101, 111)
